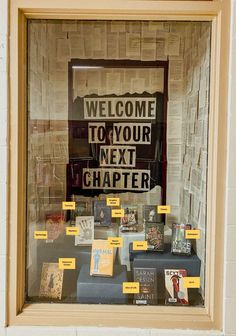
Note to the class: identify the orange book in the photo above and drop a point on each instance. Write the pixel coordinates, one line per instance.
(101, 258)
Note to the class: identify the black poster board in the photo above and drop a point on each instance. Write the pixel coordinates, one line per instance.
(83, 154)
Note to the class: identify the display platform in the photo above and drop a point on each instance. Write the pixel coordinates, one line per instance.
(96, 289)
(166, 260)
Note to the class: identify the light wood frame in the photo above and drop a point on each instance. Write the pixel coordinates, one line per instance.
(210, 317)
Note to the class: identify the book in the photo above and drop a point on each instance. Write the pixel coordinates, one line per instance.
(102, 213)
(101, 258)
(176, 294)
(51, 281)
(86, 230)
(81, 208)
(147, 278)
(150, 214)
(179, 244)
(154, 235)
(54, 225)
(129, 223)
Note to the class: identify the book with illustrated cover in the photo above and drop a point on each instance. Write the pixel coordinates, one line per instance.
(150, 214)
(179, 244)
(101, 258)
(51, 281)
(81, 208)
(86, 230)
(176, 294)
(54, 225)
(102, 213)
(147, 279)
(154, 235)
(129, 223)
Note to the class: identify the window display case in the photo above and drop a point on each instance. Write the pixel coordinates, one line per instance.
(117, 162)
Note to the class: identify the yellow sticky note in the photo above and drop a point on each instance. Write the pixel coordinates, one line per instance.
(40, 235)
(113, 202)
(191, 282)
(130, 287)
(72, 231)
(117, 213)
(192, 234)
(140, 245)
(66, 263)
(68, 205)
(163, 209)
(115, 241)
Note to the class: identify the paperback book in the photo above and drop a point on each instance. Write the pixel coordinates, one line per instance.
(129, 223)
(179, 244)
(51, 281)
(86, 230)
(54, 225)
(102, 213)
(101, 258)
(81, 208)
(147, 279)
(176, 294)
(154, 235)
(150, 214)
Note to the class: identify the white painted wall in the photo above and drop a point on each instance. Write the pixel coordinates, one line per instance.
(230, 249)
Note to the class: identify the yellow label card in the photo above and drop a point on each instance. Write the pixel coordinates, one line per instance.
(191, 282)
(140, 245)
(117, 213)
(163, 209)
(72, 231)
(192, 234)
(40, 235)
(66, 263)
(113, 202)
(130, 287)
(115, 241)
(68, 205)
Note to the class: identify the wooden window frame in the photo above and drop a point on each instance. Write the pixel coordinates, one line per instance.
(209, 317)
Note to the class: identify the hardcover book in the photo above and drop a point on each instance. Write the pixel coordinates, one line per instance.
(150, 214)
(147, 279)
(86, 230)
(176, 294)
(51, 281)
(54, 225)
(129, 223)
(154, 235)
(101, 258)
(179, 244)
(102, 213)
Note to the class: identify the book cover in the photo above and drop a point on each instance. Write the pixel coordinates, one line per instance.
(86, 230)
(150, 214)
(179, 244)
(176, 294)
(129, 223)
(54, 225)
(102, 213)
(154, 235)
(101, 258)
(51, 281)
(81, 208)
(147, 279)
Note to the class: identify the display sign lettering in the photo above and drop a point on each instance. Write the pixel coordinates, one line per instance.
(119, 108)
(116, 179)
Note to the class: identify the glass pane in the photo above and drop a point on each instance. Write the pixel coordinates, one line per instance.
(117, 161)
